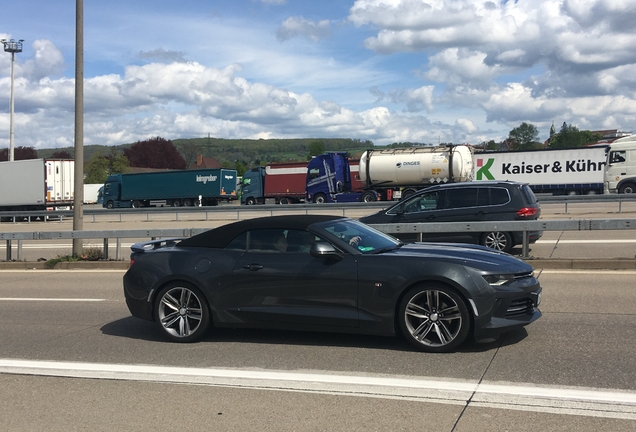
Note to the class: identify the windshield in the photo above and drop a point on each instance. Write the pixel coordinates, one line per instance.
(362, 237)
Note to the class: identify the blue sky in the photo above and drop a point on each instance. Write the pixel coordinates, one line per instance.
(382, 70)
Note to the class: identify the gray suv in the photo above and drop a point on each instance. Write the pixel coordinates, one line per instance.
(466, 202)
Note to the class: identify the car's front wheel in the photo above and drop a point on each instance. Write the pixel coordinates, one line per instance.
(498, 240)
(182, 312)
(434, 318)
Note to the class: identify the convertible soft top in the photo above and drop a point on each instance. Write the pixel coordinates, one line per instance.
(221, 236)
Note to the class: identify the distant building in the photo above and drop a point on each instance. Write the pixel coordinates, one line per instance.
(205, 162)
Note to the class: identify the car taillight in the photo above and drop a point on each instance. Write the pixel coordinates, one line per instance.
(527, 212)
(132, 261)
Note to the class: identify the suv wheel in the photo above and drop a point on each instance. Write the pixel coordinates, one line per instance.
(498, 240)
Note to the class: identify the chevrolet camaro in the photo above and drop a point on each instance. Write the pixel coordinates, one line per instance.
(328, 273)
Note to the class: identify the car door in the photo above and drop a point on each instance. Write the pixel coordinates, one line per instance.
(293, 287)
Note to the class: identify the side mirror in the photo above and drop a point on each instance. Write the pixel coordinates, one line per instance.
(324, 250)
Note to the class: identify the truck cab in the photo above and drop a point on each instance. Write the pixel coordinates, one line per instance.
(252, 186)
(620, 173)
(111, 193)
(329, 180)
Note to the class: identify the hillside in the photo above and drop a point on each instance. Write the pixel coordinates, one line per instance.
(248, 152)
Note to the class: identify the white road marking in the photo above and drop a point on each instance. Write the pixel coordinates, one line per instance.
(608, 403)
(547, 241)
(50, 299)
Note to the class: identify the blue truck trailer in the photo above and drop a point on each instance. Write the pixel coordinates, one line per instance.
(200, 187)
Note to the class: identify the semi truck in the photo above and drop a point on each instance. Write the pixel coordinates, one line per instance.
(387, 174)
(197, 187)
(279, 183)
(36, 184)
(572, 171)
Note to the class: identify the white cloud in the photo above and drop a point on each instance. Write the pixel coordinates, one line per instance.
(299, 26)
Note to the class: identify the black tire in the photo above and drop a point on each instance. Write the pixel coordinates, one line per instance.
(135, 204)
(434, 318)
(250, 201)
(368, 197)
(187, 202)
(498, 240)
(407, 193)
(110, 205)
(182, 312)
(176, 203)
(627, 188)
(320, 198)
(284, 201)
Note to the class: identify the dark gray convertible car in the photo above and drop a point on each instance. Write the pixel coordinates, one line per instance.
(328, 273)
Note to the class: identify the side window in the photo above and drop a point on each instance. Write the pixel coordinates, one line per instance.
(617, 156)
(299, 241)
(483, 197)
(499, 196)
(424, 202)
(267, 240)
(313, 173)
(459, 198)
(239, 243)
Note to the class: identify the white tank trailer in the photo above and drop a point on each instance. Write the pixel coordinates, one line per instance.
(417, 166)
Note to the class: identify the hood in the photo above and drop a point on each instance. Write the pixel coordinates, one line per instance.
(475, 256)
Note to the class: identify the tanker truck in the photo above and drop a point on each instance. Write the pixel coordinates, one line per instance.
(387, 174)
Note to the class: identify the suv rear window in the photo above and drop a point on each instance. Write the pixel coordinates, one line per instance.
(528, 195)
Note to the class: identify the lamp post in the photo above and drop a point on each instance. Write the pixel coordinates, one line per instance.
(13, 47)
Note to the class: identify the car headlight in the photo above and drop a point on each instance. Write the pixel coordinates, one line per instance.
(498, 279)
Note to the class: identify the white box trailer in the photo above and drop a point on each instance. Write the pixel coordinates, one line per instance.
(91, 193)
(36, 184)
(556, 171)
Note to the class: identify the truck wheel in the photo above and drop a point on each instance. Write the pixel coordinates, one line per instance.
(368, 197)
(110, 205)
(320, 198)
(498, 240)
(407, 193)
(627, 188)
(250, 201)
(187, 202)
(135, 204)
(176, 203)
(284, 201)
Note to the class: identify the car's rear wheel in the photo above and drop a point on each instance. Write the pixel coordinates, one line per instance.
(434, 318)
(182, 312)
(498, 240)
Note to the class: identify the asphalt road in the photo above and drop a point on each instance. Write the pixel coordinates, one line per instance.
(73, 358)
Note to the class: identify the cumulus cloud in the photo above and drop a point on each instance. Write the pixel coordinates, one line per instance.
(299, 26)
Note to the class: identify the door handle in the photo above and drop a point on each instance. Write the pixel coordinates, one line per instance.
(253, 267)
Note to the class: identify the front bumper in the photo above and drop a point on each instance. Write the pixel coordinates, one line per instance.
(510, 311)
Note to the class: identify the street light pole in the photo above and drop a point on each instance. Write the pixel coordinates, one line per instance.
(78, 201)
(13, 47)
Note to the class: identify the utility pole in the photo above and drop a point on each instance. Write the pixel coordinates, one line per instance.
(78, 201)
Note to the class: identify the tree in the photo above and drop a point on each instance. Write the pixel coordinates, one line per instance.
(155, 153)
(61, 155)
(96, 169)
(190, 151)
(99, 167)
(316, 148)
(19, 153)
(571, 137)
(524, 137)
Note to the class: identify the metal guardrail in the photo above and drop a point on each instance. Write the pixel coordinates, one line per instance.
(524, 226)
(207, 212)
